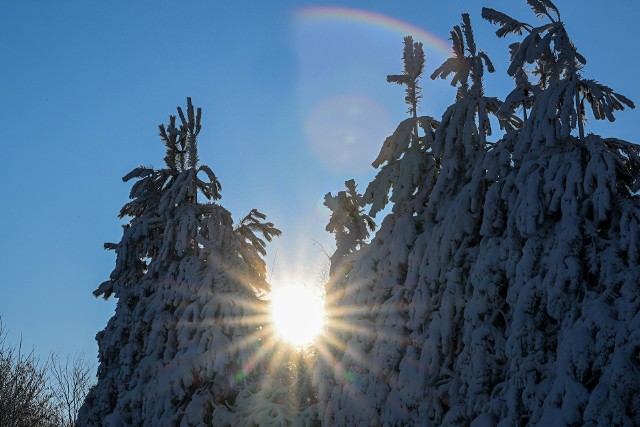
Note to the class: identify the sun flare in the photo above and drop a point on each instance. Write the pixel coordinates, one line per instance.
(298, 314)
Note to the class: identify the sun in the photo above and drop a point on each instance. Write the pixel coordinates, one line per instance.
(298, 314)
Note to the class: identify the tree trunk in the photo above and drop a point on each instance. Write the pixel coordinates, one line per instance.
(579, 113)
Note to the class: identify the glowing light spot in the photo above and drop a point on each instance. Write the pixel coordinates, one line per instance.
(298, 314)
(349, 376)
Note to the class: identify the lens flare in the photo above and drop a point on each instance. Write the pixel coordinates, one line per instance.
(349, 15)
(344, 132)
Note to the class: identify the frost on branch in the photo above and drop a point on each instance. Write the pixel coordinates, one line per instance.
(413, 59)
(349, 225)
(406, 157)
(558, 65)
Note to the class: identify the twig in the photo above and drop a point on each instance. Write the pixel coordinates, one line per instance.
(315, 242)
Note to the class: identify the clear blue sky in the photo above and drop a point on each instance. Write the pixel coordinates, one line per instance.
(293, 105)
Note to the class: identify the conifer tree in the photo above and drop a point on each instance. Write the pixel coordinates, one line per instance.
(506, 294)
(559, 67)
(406, 161)
(444, 254)
(349, 224)
(366, 338)
(568, 222)
(187, 328)
(285, 397)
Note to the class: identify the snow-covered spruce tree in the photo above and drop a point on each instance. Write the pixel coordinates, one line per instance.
(518, 303)
(407, 165)
(350, 226)
(355, 372)
(285, 398)
(409, 288)
(186, 331)
(569, 206)
(437, 367)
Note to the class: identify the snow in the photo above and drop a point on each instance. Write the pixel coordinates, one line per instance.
(500, 289)
(183, 340)
(496, 297)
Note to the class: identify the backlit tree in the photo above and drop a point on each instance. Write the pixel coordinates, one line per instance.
(186, 335)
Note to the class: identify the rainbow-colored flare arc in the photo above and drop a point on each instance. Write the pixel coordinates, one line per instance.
(322, 13)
